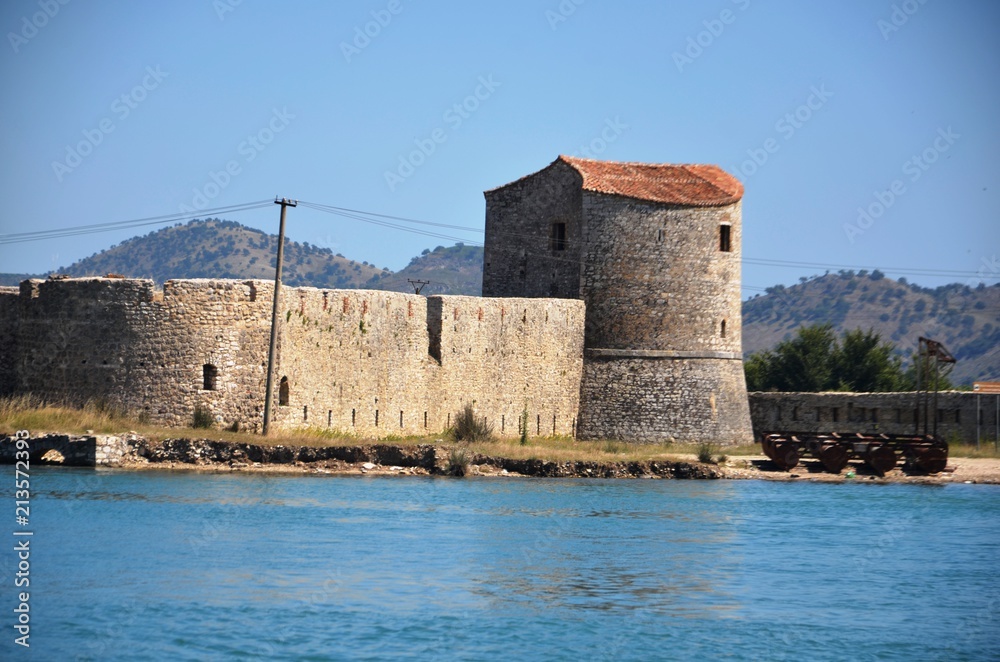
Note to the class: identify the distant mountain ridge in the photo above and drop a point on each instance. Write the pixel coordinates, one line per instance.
(966, 320)
(214, 248)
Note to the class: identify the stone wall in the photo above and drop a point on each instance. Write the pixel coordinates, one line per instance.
(519, 258)
(652, 399)
(72, 451)
(959, 413)
(9, 297)
(366, 362)
(663, 313)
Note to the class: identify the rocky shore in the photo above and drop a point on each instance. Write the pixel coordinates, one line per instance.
(135, 452)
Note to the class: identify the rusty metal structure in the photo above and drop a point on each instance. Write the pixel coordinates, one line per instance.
(921, 452)
(882, 452)
(933, 362)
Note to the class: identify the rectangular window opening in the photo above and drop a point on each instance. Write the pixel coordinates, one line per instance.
(557, 237)
(209, 377)
(725, 238)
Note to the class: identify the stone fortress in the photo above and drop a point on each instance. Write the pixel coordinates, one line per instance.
(611, 311)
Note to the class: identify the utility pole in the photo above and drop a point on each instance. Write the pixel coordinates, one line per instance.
(417, 284)
(285, 203)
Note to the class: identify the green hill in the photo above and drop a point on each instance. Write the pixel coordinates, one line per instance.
(966, 320)
(222, 249)
(454, 270)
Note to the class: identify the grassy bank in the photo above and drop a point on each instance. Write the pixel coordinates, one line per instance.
(28, 413)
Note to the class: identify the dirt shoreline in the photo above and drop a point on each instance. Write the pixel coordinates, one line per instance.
(138, 454)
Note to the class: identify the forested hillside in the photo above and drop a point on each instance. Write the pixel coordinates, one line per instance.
(966, 319)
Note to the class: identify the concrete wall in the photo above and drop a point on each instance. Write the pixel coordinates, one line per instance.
(368, 362)
(892, 413)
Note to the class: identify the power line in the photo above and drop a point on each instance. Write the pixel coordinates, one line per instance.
(404, 224)
(39, 235)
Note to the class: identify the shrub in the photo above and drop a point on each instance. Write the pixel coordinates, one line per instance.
(459, 460)
(469, 427)
(202, 417)
(613, 447)
(705, 453)
(524, 427)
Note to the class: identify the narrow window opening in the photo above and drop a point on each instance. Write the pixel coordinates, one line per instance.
(283, 392)
(329, 418)
(557, 237)
(305, 412)
(538, 425)
(354, 414)
(253, 292)
(400, 418)
(425, 419)
(376, 418)
(725, 238)
(209, 377)
(326, 300)
(659, 236)
(722, 329)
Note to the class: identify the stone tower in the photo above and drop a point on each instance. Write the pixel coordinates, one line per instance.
(654, 252)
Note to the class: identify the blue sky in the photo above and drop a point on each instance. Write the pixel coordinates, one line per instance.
(865, 132)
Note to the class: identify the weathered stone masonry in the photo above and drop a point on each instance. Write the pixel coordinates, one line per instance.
(654, 251)
(612, 311)
(367, 362)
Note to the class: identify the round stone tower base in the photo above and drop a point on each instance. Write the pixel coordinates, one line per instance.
(659, 397)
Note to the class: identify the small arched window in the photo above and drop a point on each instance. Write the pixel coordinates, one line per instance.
(283, 392)
(209, 376)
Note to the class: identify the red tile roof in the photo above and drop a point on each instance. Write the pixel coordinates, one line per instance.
(689, 185)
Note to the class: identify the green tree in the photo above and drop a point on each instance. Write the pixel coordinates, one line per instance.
(804, 362)
(814, 360)
(865, 364)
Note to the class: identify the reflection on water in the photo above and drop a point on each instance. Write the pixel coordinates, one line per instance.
(194, 566)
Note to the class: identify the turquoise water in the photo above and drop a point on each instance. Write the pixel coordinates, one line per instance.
(187, 566)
